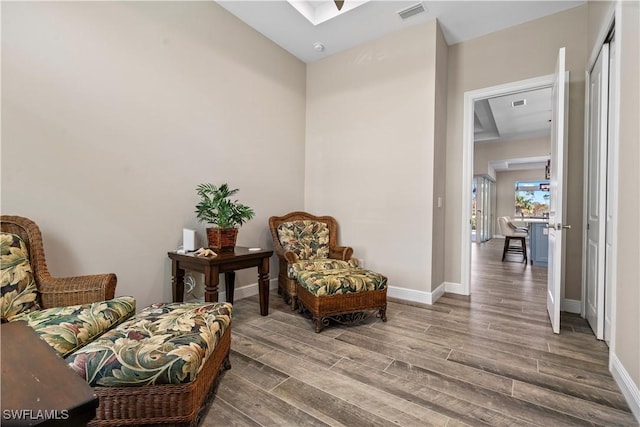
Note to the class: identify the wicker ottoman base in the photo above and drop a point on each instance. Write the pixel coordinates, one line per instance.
(326, 307)
(178, 404)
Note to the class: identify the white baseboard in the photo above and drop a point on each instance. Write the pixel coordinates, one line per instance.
(454, 288)
(437, 293)
(251, 289)
(408, 294)
(627, 386)
(393, 291)
(240, 292)
(572, 306)
(416, 296)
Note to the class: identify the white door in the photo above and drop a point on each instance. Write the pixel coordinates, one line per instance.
(597, 191)
(557, 200)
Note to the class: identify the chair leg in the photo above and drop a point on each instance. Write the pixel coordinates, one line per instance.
(524, 249)
(383, 314)
(506, 247)
(318, 322)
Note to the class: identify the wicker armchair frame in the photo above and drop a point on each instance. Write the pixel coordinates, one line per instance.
(57, 292)
(286, 285)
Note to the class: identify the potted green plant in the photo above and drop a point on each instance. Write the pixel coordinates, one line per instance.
(217, 208)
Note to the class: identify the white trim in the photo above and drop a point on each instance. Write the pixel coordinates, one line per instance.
(585, 190)
(602, 36)
(572, 306)
(437, 293)
(247, 290)
(454, 288)
(467, 161)
(392, 291)
(416, 296)
(628, 388)
(241, 292)
(615, 93)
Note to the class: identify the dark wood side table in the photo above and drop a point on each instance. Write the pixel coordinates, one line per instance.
(224, 262)
(38, 388)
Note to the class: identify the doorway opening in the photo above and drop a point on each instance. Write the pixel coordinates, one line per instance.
(469, 137)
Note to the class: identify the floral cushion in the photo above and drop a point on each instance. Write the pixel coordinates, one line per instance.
(69, 328)
(322, 264)
(340, 281)
(307, 239)
(165, 343)
(19, 291)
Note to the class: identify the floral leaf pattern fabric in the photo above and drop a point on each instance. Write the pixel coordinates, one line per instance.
(19, 290)
(306, 238)
(323, 264)
(69, 328)
(341, 281)
(166, 343)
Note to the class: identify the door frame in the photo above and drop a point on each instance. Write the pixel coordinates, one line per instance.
(588, 204)
(467, 160)
(612, 150)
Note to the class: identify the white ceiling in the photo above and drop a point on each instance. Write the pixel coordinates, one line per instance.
(499, 119)
(460, 20)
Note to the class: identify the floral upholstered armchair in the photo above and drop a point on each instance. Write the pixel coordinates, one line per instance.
(304, 241)
(66, 312)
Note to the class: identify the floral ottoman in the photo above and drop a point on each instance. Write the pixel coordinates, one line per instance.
(160, 366)
(345, 295)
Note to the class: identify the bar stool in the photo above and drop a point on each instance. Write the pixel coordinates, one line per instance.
(510, 232)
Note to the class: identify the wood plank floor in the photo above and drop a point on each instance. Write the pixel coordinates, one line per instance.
(489, 359)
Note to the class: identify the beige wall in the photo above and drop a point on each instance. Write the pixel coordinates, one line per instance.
(112, 113)
(485, 152)
(370, 151)
(505, 189)
(522, 52)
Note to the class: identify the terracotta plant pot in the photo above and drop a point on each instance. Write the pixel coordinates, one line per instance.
(222, 239)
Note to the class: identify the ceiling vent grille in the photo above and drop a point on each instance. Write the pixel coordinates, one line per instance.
(412, 10)
(519, 103)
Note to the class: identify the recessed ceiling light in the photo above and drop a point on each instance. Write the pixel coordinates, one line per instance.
(319, 47)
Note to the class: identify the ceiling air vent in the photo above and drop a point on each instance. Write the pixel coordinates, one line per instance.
(518, 103)
(412, 10)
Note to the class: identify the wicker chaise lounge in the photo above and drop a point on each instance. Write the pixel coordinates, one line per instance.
(160, 367)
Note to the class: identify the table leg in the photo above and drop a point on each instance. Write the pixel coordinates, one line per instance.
(177, 282)
(211, 282)
(229, 284)
(263, 286)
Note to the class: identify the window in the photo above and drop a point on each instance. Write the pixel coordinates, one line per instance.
(532, 198)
